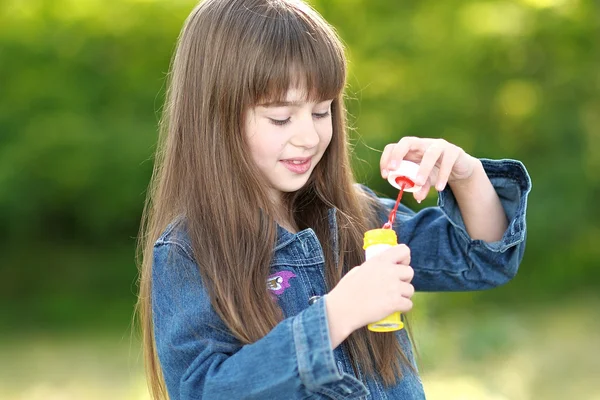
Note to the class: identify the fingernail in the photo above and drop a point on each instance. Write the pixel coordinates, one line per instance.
(384, 173)
(393, 164)
(419, 201)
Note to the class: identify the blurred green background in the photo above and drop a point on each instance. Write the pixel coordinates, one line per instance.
(81, 87)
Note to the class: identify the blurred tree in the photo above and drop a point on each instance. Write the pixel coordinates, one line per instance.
(81, 87)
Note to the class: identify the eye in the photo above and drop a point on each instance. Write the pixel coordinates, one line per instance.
(321, 115)
(279, 122)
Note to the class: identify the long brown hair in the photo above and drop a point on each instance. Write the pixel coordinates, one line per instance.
(231, 55)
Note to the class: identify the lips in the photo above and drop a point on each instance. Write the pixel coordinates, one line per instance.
(299, 165)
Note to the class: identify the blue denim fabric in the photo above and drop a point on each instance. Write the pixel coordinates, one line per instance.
(201, 360)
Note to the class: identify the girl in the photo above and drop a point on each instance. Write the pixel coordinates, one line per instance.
(253, 280)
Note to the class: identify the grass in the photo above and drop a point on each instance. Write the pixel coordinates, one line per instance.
(542, 352)
(545, 352)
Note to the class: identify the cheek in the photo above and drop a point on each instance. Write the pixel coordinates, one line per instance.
(266, 149)
(326, 138)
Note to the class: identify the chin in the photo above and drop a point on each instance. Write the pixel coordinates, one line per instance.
(290, 188)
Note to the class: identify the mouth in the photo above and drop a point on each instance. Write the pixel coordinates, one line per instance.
(297, 160)
(298, 165)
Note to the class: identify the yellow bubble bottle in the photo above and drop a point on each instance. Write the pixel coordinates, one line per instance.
(376, 241)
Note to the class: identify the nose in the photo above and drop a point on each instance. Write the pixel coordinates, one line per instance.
(306, 135)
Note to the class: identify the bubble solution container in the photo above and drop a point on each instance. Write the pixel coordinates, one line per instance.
(376, 241)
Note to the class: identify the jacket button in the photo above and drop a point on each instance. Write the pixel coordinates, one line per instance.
(313, 300)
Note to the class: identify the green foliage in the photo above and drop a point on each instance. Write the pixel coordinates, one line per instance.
(82, 84)
(502, 80)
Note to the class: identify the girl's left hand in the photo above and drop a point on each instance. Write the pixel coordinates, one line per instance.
(440, 162)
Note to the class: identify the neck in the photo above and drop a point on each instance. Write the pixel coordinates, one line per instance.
(285, 220)
(290, 227)
(283, 216)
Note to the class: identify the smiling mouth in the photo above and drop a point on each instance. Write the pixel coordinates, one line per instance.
(297, 160)
(298, 165)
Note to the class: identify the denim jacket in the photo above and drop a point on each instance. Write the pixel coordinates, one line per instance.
(201, 360)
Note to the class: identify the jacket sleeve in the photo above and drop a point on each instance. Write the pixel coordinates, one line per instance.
(200, 359)
(444, 256)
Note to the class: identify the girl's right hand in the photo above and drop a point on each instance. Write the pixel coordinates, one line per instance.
(370, 292)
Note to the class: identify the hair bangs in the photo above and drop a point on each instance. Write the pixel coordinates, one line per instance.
(297, 52)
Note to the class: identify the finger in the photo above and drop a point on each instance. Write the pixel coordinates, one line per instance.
(422, 193)
(417, 149)
(405, 273)
(407, 290)
(430, 158)
(385, 156)
(399, 254)
(451, 154)
(399, 151)
(403, 304)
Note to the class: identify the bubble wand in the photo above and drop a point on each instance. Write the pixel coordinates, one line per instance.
(377, 240)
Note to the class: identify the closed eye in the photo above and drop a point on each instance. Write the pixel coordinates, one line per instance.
(280, 122)
(321, 115)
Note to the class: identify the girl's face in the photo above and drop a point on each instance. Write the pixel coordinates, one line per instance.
(288, 139)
